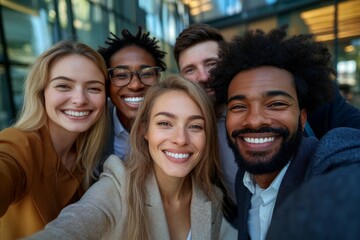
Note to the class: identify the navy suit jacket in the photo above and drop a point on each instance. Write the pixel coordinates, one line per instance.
(338, 113)
(293, 178)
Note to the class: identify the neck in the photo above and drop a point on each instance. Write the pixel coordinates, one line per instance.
(64, 145)
(264, 180)
(174, 189)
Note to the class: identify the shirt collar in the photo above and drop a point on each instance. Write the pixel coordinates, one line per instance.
(118, 127)
(249, 181)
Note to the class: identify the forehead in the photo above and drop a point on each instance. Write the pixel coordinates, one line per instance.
(258, 81)
(185, 105)
(132, 56)
(198, 53)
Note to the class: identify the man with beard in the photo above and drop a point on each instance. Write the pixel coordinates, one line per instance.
(269, 83)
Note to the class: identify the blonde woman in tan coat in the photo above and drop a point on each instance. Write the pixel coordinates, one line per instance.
(48, 156)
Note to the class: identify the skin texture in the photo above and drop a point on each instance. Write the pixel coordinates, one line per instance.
(74, 99)
(196, 61)
(263, 97)
(176, 139)
(133, 58)
(173, 131)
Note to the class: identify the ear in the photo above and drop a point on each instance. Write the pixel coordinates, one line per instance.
(303, 118)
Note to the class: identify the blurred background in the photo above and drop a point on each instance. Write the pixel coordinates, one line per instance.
(29, 27)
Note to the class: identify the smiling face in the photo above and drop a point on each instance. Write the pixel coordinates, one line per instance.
(196, 61)
(264, 122)
(128, 98)
(74, 95)
(176, 135)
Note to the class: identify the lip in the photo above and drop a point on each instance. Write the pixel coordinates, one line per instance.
(258, 142)
(177, 156)
(76, 114)
(133, 101)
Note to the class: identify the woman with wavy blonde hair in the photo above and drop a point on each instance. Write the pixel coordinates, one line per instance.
(47, 157)
(165, 189)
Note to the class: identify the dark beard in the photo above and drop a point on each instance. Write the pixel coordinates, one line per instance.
(287, 150)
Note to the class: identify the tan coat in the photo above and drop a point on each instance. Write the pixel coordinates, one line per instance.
(102, 212)
(34, 185)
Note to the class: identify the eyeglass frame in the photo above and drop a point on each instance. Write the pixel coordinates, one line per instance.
(132, 73)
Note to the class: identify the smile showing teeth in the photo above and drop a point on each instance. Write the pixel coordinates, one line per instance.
(77, 114)
(134, 99)
(177, 155)
(259, 140)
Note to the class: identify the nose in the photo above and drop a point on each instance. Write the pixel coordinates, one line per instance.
(79, 97)
(256, 118)
(180, 137)
(203, 75)
(135, 83)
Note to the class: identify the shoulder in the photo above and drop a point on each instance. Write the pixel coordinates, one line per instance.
(115, 168)
(340, 146)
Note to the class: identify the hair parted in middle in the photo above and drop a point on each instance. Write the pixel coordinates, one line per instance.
(140, 163)
(140, 39)
(307, 60)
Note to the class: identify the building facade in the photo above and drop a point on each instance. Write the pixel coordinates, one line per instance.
(27, 28)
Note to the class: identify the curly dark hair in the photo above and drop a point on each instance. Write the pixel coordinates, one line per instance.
(308, 61)
(141, 40)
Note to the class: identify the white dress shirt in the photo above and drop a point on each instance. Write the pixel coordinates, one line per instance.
(262, 204)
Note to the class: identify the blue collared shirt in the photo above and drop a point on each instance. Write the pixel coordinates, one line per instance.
(121, 138)
(262, 204)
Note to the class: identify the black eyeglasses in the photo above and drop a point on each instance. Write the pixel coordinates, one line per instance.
(121, 77)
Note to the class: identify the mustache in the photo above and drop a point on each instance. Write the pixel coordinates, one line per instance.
(280, 131)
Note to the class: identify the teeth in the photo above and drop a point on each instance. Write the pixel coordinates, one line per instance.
(177, 155)
(259, 140)
(77, 114)
(134, 99)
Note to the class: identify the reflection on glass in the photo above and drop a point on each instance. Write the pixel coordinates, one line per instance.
(4, 100)
(26, 35)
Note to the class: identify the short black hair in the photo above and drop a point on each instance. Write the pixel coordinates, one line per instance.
(307, 60)
(141, 40)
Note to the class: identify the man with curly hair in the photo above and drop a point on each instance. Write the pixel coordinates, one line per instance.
(270, 83)
(134, 63)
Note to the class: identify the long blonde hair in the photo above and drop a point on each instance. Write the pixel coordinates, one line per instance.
(33, 115)
(140, 163)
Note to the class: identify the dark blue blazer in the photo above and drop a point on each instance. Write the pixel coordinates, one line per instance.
(293, 178)
(338, 113)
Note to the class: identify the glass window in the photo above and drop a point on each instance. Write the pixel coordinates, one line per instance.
(5, 111)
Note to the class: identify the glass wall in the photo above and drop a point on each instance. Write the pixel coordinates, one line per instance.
(28, 28)
(336, 23)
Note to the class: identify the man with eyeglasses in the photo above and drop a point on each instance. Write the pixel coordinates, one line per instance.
(134, 63)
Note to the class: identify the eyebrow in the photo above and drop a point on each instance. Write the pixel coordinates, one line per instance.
(170, 115)
(127, 67)
(72, 80)
(205, 61)
(266, 94)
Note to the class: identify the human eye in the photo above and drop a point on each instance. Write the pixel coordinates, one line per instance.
(236, 107)
(189, 71)
(163, 123)
(211, 64)
(196, 126)
(120, 74)
(95, 89)
(62, 86)
(147, 73)
(277, 105)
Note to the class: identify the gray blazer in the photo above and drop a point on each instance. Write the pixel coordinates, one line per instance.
(101, 212)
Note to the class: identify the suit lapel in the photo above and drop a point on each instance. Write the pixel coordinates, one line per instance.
(158, 223)
(201, 215)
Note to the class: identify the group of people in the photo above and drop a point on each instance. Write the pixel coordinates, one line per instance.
(237, 144)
